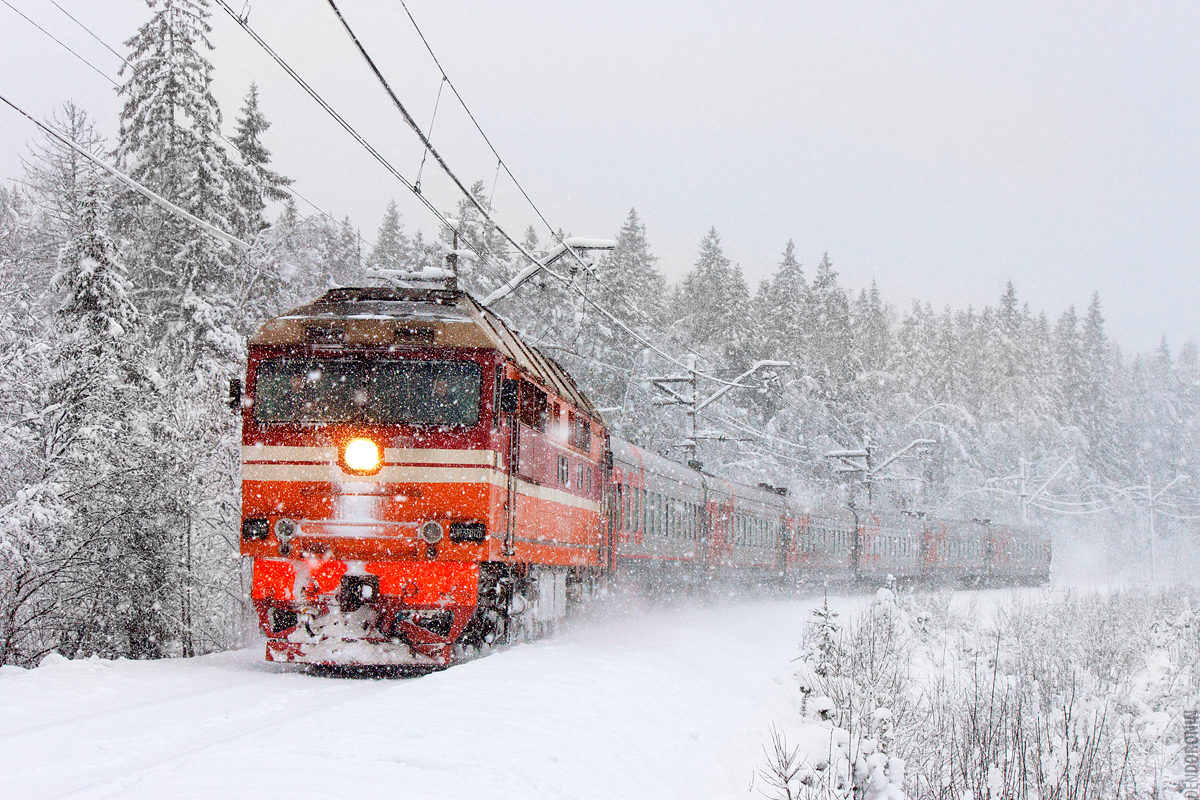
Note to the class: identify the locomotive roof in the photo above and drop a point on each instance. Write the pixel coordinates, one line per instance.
(384, 317)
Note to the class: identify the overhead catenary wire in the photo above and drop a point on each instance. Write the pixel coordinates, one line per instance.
(412, 123)
(150, 195)
(499, 161)
(414, 187)
(60, 43)
(90, 33)
(432, 119)
(290, 190)
(295, 76)
(117, 84)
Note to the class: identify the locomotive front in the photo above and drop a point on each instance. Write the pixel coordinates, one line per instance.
(372, 472)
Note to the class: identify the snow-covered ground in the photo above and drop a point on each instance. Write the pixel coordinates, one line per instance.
(646, 703)
(632, 701)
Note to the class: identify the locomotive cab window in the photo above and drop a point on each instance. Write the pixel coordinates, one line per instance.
(385, 391)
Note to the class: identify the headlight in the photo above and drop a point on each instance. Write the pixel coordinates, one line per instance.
(285, 529)
(362, 455)
(431, 532)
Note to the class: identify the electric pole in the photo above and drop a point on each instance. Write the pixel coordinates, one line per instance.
(687, 396)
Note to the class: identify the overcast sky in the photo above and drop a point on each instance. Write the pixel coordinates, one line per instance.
(940, 149)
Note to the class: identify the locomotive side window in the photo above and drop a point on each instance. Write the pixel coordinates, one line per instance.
(533, 407)
(581, 433)
(386, 392)
(623, 500)
(641, 510)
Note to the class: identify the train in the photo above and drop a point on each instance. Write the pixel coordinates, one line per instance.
(418, 482)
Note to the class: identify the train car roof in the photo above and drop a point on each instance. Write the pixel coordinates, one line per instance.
(653, 462)
(386, 317)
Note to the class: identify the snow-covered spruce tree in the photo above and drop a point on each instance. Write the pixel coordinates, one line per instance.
(630, 283)
(834, 361)
(96, 283)
(113, 574)
(630, 286)
(289, 267)
(783, 310)
(341, 254)
(1070, 367)
(475, 232)
(57, 178)
(63, 392)
(1101, 369)
(872, 327)
(254, 184)
(31, 506)
(392, 249)
(713, 304)
(169, 141)
(187, 291)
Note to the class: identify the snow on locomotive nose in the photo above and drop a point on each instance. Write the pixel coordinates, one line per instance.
(414, 478)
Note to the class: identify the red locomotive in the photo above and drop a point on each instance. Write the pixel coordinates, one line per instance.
(416, 479)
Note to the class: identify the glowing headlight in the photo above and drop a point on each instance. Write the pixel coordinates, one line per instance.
(362, 455)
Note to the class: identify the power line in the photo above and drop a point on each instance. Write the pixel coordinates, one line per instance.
(338, 117)
(222, 235)
(475, 122)
(500, 163)
(223, 138)
(89, 31)
(416, 129)
(412, 123)
(60, 44)
(429, 148)
(155, 198)
(446, 168)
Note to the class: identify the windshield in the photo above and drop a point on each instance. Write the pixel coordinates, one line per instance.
(385, 391)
